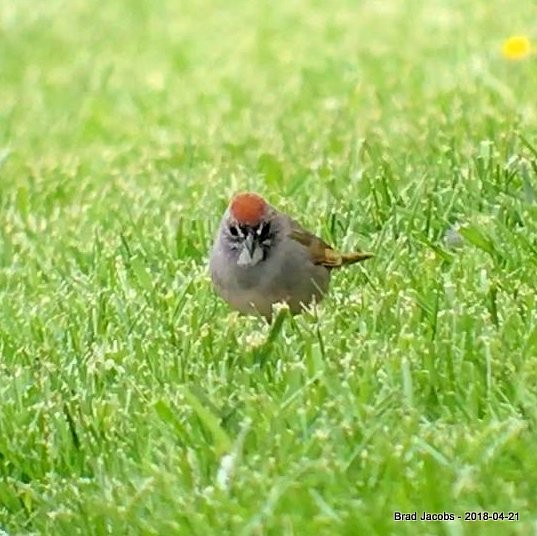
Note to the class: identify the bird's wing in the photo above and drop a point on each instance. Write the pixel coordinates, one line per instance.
(322, 253)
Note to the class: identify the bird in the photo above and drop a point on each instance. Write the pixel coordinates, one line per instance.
(261, 256)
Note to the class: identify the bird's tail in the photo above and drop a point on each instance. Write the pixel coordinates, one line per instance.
(335, 259)
(351, 258)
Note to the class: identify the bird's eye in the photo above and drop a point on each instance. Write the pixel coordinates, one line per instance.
(233, 230)
(264, 231)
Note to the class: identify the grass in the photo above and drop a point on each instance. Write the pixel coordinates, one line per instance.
(132, 401)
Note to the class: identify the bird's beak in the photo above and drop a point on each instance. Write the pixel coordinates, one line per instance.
(251, 253)
(249, 245)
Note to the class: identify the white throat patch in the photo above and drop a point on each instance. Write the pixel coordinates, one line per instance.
(245, 259)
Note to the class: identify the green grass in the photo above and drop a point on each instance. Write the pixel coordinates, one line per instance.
(132, 401)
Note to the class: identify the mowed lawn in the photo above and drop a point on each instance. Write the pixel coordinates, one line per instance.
(133, 401)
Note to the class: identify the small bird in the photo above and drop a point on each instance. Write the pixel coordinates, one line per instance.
(262, 256)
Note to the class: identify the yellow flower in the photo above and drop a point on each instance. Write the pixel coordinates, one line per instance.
(516, 47)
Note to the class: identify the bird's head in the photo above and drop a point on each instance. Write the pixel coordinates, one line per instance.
(248, 228)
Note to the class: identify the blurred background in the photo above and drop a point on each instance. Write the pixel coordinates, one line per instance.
(204, 82)
(174, 98)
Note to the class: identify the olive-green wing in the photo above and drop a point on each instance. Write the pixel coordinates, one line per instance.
(322, 253)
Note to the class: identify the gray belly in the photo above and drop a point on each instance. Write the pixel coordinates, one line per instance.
(292, 278)
(253, 295)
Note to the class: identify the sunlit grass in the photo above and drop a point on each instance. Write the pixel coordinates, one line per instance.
(132, 401)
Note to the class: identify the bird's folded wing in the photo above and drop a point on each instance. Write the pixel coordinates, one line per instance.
(322, 253)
